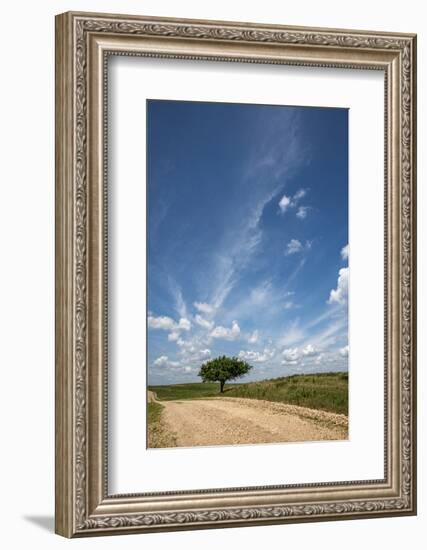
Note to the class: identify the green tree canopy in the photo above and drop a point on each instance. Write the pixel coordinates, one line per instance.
(222, 369)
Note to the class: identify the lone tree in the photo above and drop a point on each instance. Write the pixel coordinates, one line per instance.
(222, 369)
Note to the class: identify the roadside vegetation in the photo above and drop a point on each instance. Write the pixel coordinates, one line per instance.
(158, 435)
(324, 391)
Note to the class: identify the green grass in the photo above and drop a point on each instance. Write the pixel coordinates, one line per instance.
(325, 391)
(185, 391)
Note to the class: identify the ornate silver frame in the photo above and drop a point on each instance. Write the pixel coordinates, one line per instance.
(83, 505)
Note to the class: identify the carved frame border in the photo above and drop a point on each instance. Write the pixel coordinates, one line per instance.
(83, 42)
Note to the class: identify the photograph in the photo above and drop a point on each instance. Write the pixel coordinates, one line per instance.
(247, 274)
(216, 182)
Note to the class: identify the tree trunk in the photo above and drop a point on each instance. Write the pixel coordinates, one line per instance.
(221, 386)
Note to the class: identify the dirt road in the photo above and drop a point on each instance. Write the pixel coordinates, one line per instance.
(231, 421)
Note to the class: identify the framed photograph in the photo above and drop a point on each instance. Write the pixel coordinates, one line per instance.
(235, 274)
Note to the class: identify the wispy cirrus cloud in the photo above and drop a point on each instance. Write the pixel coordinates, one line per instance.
(302, 212)
(294, 246)
(205, 308)
(179, 302)
(268, 166)
(332, 334)
(293, 333)
(257, 356)
(204, 323)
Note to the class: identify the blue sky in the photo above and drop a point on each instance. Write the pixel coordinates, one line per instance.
(247, 238)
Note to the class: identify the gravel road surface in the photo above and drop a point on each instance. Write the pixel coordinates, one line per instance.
(232, 421)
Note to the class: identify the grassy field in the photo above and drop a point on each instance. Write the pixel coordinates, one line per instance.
(185, 391)
(324, 391)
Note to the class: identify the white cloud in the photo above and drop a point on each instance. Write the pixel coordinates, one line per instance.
(167, 323)
(287, 203)
(226, 333)
(293, 246)
(300, 194)
(344, 351)
(284, 203)
(194, 355)
(163, 361)
(204, 307)
(161, 323)
(173, 336)
(345, 252)
(319, 359)
(191, 354)
(340, 294)
(309, 350)
(313, 359)
(205, 353)
(184, 324)
(302, 212)
(204, 323)
(253, 338)
(291, 355)
(257, 356)
(187, 344)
